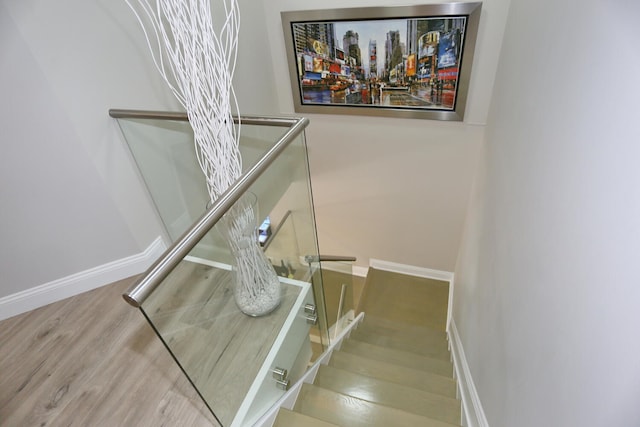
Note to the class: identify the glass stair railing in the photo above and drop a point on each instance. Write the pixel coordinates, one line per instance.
(337, 281)
(240, 365)
(336, 275)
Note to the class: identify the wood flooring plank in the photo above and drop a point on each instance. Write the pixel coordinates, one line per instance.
(163, 393)
(91, 360)
(81, 353)
(37, 324)
(220, 348)
(59, 361)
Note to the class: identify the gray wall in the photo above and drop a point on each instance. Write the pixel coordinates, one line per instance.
(67, 202)
(70, 197)
(547, 280)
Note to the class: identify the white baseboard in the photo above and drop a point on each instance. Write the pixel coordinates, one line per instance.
(411, 270)
(78, 283)
(452, 284)
(359, 271)
(473, 413)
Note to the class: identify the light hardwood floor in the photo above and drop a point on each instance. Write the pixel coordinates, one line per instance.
(219, 347)
(406, 299)
(91, 360)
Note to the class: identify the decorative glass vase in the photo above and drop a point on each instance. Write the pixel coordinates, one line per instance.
(256, 287)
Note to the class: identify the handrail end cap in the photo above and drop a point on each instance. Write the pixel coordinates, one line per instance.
(131, 301)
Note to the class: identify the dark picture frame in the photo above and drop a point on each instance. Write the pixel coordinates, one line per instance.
(407, 61)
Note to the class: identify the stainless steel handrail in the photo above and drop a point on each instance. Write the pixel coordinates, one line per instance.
(160, 269)
(182, 117)
(328, 258)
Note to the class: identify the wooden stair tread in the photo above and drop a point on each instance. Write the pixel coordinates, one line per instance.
(390, 394)
(414, 333)
(437, 349)
(350, 411)
(405, 299)
(287, 418)
(380, 323)
(398, 357)
(421, 380)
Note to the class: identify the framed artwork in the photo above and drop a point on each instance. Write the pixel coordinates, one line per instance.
(408, 61)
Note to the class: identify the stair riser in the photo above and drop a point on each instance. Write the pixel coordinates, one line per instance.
(389, 394)
(398, 357)
(288, 418)
(435, 349)
(414, 333)
(345, 410)
(396, 374)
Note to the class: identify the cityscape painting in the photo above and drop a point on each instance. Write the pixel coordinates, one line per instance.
(399, 61)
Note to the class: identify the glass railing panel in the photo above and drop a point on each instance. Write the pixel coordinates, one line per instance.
(284, 195)
(229, 356)
(293, 224)
(165, 155)
(284, 236)
(319, 333)
(337, 282)
(220, 349)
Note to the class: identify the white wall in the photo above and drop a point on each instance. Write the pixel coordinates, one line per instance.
(547, 280)
(67, 202)
(70, 197)
(393, 189)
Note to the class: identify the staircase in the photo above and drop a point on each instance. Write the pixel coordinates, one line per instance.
(387, 373)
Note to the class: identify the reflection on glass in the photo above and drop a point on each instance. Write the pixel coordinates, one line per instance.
(337, 283)
(165, 155)
(229, 356)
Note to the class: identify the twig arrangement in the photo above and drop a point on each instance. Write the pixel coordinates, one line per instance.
(257, 289)
(197, 62)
